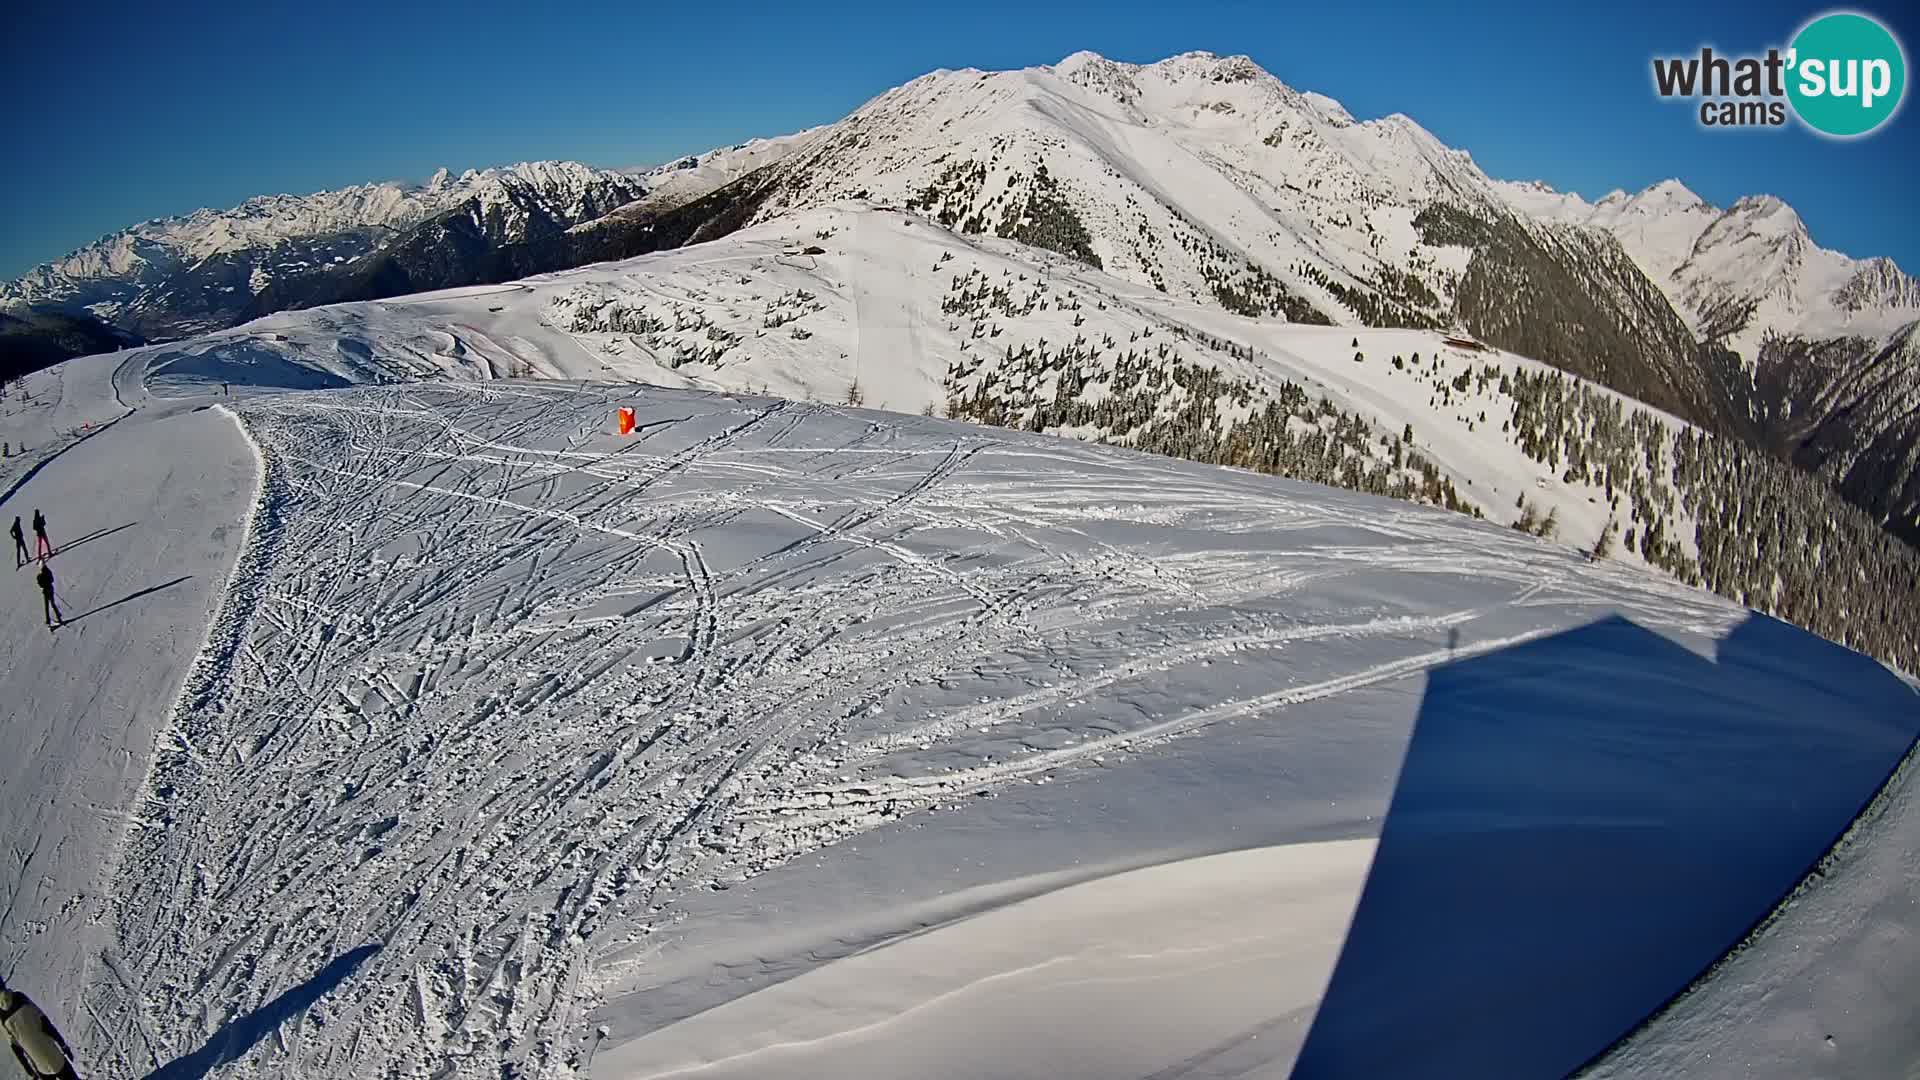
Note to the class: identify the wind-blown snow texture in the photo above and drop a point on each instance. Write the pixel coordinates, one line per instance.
(509, 729)
(1193, 962)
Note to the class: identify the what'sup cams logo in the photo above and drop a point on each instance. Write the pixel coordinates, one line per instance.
(1844, 75)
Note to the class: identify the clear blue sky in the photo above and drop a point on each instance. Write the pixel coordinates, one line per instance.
(121, 112)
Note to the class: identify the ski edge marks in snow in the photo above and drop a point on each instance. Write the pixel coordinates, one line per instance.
(206, 674)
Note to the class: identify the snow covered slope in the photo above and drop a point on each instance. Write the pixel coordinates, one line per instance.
(147, 513)
(690, 177)
(1209, 179)
(1188, 961)
(510, 730)
(1202, 176)
(1178, 173)
(786, 736)
(923, 318)
(49, 411)
(175, 276)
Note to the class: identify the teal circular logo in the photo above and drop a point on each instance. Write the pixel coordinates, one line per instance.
(1847, 74)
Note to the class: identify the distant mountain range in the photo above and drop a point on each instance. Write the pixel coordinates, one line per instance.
(174, 277)
(1827, 343)
(1201, 177)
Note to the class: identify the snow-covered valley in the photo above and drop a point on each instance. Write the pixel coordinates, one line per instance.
(785, 737)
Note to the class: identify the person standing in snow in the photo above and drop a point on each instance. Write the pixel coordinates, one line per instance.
(36, 1042)
(20, 556)
(40, 535)
(47, 601)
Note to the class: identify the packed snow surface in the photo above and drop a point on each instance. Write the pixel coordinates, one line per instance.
(518, 744)
(145, 516)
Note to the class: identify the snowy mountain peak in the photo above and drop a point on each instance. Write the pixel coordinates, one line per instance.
(1099, 74)
(1201, 175)
(1190, 70)
(1667, 196)
(1401, 127)
(1330, 110)
(1740, 274)
(1762, 226)
(1205, 66)
(1764, 206)
(1083, 61)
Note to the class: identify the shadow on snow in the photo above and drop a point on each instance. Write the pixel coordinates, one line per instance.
(97, 534)
(127, 599)
(243, 364)
(1582, 825)
(240, 1034)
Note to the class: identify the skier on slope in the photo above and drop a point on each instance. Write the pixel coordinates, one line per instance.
(47, 601)
(40, 534)
(36, 1042)
(20, 556)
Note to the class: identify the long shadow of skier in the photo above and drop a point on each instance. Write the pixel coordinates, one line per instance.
(128, 599)
(239, 1035)
(97, 534)
(1581, 826)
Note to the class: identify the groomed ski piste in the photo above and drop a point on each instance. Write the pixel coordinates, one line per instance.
(435, 729)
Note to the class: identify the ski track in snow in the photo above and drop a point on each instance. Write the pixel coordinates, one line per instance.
(492, 687)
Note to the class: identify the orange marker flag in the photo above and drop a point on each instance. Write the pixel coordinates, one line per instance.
(626, 421)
